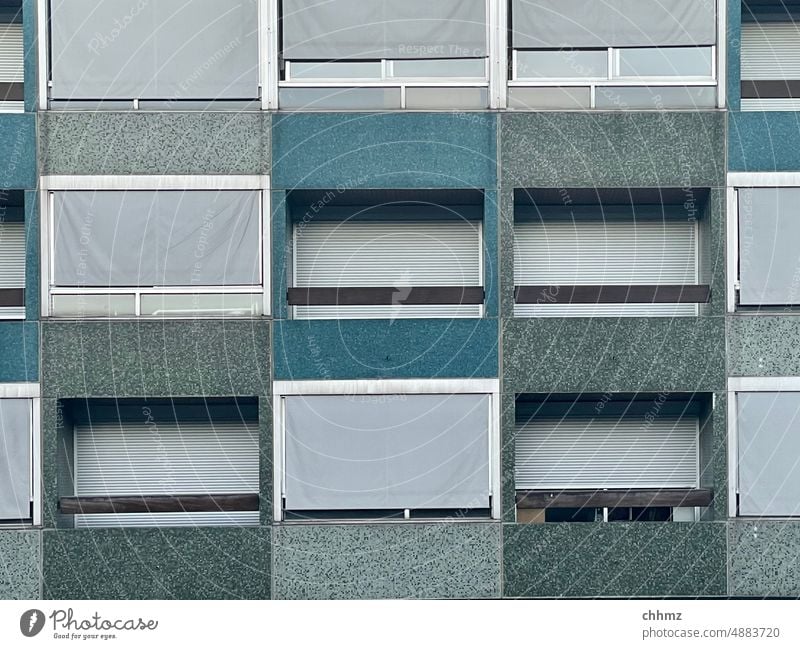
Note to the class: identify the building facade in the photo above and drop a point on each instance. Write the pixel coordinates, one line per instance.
(366, 300)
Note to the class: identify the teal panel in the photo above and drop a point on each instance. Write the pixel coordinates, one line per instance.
(18, 163)
(764, 141)
(19, 351)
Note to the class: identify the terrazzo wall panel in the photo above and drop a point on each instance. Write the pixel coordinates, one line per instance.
(157, 563)
(764, 558)
(20, 554)
(435, 560)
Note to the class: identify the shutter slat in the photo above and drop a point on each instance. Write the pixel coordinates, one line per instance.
(606, 453)
(569, 253)
(11, 53)
(185, 458)
(362, 254)
(770, 51)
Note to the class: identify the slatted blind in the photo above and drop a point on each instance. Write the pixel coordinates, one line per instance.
(770, 51)
(167, 459)
(12, 53)
(12, 263)
(362, 254)
(607, 452)
(566, 253)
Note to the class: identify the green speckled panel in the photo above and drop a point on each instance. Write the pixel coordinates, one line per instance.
(444, 560)
(624, 354)
(101, 142)
(19, 564)
(168, 563)
(763, 345)
(613, 149)
(173, 358)
(764, 558)
(614, 560)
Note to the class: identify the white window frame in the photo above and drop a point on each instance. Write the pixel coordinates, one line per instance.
(31, 392)
(267, 43)
(717, 79)
(282, 389)
(737, 181)
(49, 184)
(481, 279)
(747, 384)
(495, 66)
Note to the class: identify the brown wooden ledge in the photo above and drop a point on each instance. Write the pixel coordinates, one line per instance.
(577, 498)
(158, 504)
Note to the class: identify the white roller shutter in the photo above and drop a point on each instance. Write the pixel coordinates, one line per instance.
(569, 253)
(12, 263)
(607, 453)
(11, 61)
(770, 51)
(167, 459)
(362, 254)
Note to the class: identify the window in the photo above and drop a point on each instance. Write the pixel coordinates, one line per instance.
(165, 54)
(19, 454)
(384, 54)
(611, 457)
(12, 255)
(763, 224)
(12, 50)
(764, 416)
(399, 254)
(156, 247)
(376, 449)
(161, 463)
(770, 56)
(579, 54)
(607, 252)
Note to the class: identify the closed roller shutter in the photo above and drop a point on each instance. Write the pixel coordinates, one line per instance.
(770, 51)
(567, 253)
(588, 453)
(362, 254)
(12, 263)
(11, 61)
(186, 458)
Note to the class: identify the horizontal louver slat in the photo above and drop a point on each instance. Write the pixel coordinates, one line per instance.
(584, 452)
(363, 254)
(12, 254)
(770, 51)
(568, 253)
(11, 53)
(186, 458)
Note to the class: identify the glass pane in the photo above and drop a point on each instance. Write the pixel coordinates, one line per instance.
(665, 62)
(339, 98)
(87, 306)
(443, 98)
(334, 69)
(549, 98)
(623, 97)
(453, 68)
(209, 304)
(562, 64)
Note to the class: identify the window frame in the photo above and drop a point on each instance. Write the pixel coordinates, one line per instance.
(282, 389)
(32, 393)
(267, 30)
(50, 184)
(749, 384)
(745, 180)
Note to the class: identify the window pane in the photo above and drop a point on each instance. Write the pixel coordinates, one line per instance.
(437, 98)
(15, 459)
(81, 306)
(335, 70)
(654, 97)
(220, 304)
(562, 64)
(549, 98)
(665, 62)
(339, 98)
(453, 68)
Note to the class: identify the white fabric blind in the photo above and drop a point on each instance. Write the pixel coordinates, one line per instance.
(12, 262)
(588, 453)
(11, 53)
(15, 459)
(567, 253)
(421, 451)
(362, 254)
(167, 459)
(770, 51)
